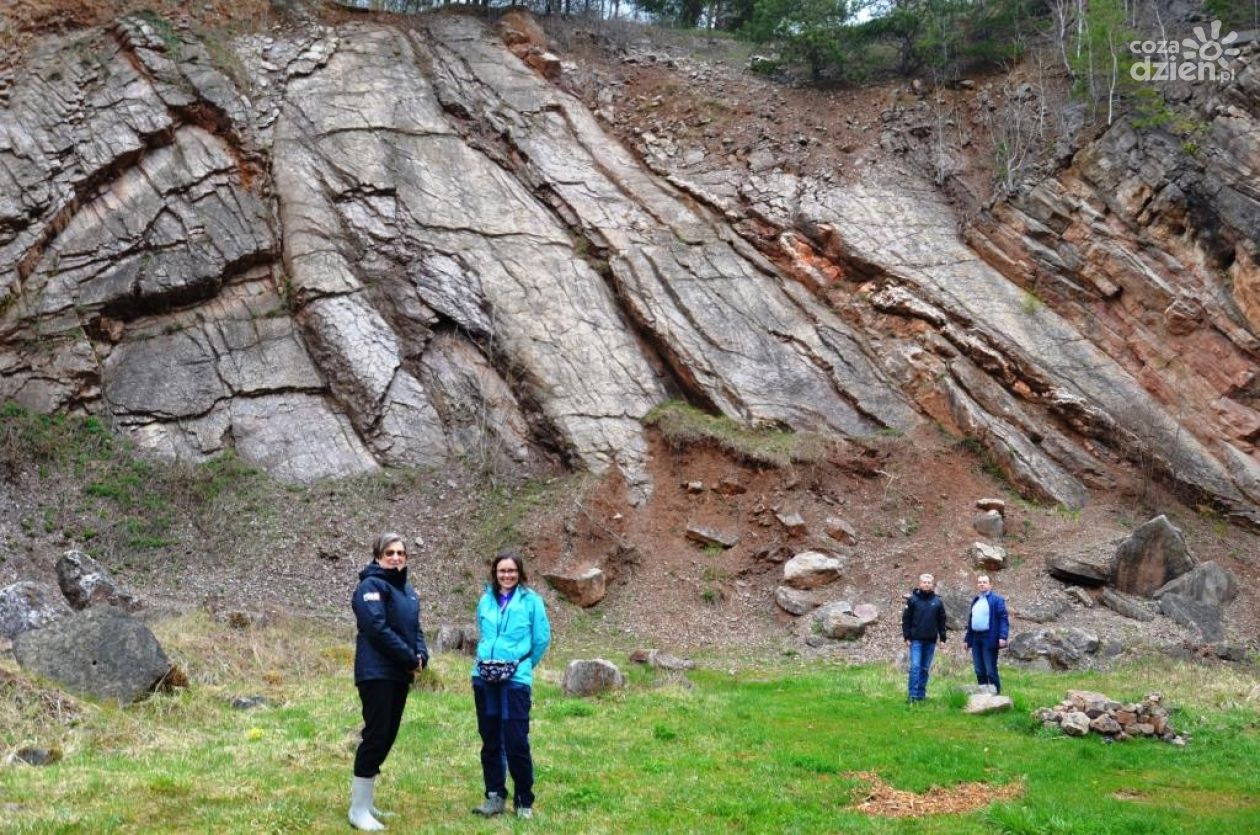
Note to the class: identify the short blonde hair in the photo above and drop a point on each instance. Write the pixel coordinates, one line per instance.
(928, 577)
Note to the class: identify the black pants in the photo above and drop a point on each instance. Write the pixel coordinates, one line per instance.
(503, 722)
(383, 703)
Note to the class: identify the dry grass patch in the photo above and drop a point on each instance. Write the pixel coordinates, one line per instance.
(878, 799)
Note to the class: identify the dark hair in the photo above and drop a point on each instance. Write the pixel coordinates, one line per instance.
(384, 541)
(522, 577)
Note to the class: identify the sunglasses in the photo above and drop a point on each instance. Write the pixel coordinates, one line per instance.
(395, 553)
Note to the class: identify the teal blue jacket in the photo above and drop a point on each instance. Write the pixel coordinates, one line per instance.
(520, 631)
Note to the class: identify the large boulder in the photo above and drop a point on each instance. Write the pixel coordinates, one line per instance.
(796, 601)
(454, 638)
(85, 582)
(843, 622)
(584, 589)
(811, 569)
(1192, 614)
(1059, 649)
(588, 677)
(987, 557)
(1040, 611)
(957, 602)
(1207, 583)
(989, 523)
(25, 606)
(102, 652)
(1153, 554)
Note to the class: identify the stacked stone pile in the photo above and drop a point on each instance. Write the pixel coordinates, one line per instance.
(1083, 711)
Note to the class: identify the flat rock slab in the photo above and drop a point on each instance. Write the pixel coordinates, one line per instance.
(102, 652)
(1087, 569)
(710, 536)
(1127, 605)
(981, 703)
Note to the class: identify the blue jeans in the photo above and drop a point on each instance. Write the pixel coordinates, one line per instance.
(503, 722)
(921, 654)
(984, 659)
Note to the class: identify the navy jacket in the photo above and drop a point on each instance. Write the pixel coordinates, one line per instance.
(999, 621)
(924, 617)
(390, 638)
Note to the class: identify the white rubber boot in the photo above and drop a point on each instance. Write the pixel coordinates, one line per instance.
(361, 791)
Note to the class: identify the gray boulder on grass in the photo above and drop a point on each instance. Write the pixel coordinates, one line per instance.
(981, 703)
(102, 652)
(587, 677)
(453, 638)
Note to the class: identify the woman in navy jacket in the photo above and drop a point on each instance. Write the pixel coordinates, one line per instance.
(388, 651)
(514, 627)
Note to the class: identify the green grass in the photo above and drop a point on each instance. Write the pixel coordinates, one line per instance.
(769, 748)
(128, 505)
(682, 424)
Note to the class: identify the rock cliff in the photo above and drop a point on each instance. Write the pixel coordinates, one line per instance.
(378, 245)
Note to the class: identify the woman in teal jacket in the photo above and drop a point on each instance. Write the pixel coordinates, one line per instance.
(513, 624)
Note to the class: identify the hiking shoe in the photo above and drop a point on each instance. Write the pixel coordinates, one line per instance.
(493, 805)
(525, 812)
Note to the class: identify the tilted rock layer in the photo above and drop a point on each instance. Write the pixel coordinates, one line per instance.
(381, 245)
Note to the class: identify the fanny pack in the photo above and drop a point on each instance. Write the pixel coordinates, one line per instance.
(497, 672)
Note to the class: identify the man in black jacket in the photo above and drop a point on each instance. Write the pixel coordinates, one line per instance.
(922, 624)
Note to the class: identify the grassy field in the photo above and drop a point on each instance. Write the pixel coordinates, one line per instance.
(727, 748)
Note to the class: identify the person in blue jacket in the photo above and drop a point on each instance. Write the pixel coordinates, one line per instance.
(513, 624)
(988, 627)
(388, 651)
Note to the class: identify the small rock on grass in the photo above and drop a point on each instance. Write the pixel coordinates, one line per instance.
(981, 703)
